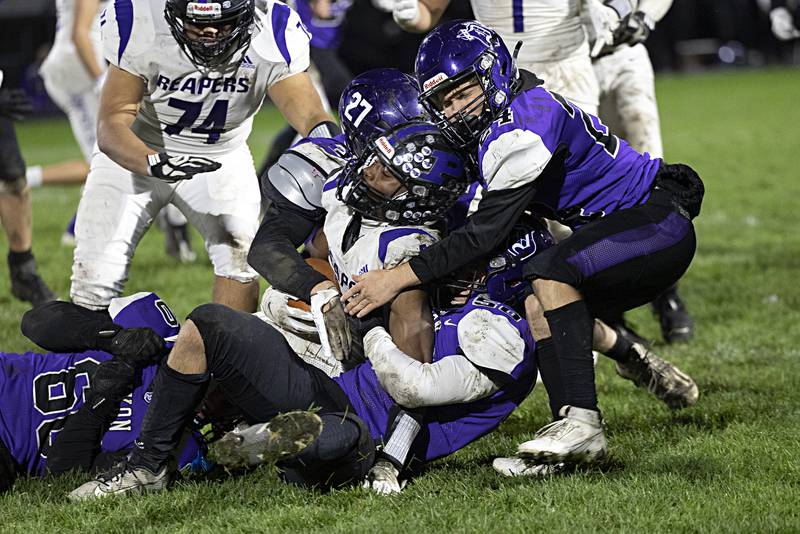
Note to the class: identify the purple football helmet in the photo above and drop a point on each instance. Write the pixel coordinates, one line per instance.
(431, 175)
(450, 55)
(376, 101)
(504, 278)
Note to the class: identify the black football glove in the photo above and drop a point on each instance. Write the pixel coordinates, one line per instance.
(633, 29)
(174, 168)
(359, 328)
(14, 104)
(112, 381)
(138, 347)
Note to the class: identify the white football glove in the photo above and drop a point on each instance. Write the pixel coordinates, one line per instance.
(783, 24)
(384, 5)
(382, 478)
(405, 12)
(331, 321)
(605, 19)
(174, 168)
(275, 306)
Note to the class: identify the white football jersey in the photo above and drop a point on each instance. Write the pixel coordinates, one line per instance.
(65, 16)
(187, 110)
(550, 30)
(379, 245)
(62, 67)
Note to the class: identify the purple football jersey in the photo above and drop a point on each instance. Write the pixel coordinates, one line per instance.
(452, 427)
(601, 173)
(325, 33)
(38, 392)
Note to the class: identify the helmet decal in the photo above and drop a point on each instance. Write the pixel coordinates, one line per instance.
(475, 30)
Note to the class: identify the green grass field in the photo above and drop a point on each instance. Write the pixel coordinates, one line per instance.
(730, 463)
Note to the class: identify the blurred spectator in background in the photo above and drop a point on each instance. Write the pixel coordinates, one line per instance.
(324, 20)
(16, 214)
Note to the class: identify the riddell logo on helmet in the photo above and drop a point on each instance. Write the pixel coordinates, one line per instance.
(212, 10)
(434, 81)
(385, 147)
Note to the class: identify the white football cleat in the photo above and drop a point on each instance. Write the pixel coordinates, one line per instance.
(576, 438)
(123, 479)
(285, 435)
(516, 466)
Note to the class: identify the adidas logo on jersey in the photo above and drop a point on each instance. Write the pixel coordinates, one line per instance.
(247, 63)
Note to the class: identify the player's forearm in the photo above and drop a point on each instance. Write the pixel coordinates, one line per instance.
(484, 231)
(412, 384)
(116, 140)
(85, 12)
(655, 9)
(274, 255)
(299, 103)
(85, 50)
(65, 327)
(411, 324)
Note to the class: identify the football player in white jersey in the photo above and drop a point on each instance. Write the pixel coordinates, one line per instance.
(73, 74)
(554, 44)
(16, 214)
(73, 70)
(184, 81)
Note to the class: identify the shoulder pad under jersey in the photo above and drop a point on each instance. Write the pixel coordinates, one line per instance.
(300, 173)
(489, 339)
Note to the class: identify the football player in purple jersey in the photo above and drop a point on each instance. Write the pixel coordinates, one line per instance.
(630, 216)
(483, 367)
(81, 406)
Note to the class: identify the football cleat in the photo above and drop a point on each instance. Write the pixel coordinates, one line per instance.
(676, 324)
(577, 438)
(176, 240)
(516, 466)
(659, 377)
(123, 479)
(27, 285)
(284, 436)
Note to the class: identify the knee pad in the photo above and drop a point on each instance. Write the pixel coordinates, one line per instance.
(208, 314)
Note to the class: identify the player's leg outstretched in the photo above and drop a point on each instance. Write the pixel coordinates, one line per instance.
(259, 373)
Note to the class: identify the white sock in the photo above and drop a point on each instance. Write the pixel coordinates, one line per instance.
(33, 175)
